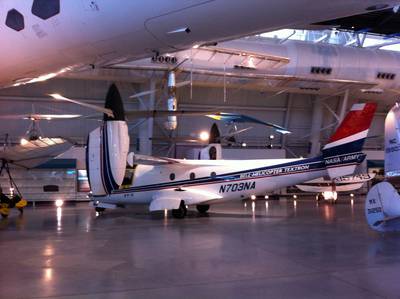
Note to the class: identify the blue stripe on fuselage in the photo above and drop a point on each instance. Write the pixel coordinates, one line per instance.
(312, 164)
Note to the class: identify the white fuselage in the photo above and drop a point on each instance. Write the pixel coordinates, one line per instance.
(91, 33)
(227, 179)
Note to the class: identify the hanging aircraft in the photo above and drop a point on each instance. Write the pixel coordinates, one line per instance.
(271, 65)
(171, 184)
(382, 205)
(45, 38)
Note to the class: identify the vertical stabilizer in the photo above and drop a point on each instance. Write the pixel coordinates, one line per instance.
(343, 153)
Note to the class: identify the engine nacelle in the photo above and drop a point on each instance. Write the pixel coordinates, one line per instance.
(107, 151)
(212, 152)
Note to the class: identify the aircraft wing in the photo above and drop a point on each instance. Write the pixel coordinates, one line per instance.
(171, 199)
(338, 188)
(240, 59)
(149, 160)
(33, 153)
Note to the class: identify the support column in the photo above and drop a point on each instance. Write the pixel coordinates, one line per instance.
(146, 128)
(316, 124)
(343, 107)
(289, 100)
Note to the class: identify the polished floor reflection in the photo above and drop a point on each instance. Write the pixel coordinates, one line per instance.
(260, 249)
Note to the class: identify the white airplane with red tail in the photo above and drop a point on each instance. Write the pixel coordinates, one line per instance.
(118, 177)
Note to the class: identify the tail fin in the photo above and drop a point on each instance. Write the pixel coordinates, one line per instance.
(382, 208)
(107, 148)
(343, 152)
(392, 142)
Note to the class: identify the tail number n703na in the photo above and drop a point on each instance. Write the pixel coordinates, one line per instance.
(237, 187)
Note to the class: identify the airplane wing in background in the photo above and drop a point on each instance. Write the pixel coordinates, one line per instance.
(30, 154)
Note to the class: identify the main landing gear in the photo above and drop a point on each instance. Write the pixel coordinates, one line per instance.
(202, 209)
(99, 210)
(180, 212)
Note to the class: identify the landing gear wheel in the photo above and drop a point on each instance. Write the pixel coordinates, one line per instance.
(99, 210)
(181, 212)
(202, 209)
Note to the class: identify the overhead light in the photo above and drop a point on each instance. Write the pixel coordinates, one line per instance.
(253, 197)
(266, 196)
(204, 136)
(196, 46)
(244, 144)
(59, 203)
(271, 136)
(23, 141)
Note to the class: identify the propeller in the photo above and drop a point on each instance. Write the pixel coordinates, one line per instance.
(106, 111)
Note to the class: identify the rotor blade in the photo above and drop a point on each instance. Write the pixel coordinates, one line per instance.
(39, 116)
(238, 132)
(143, 93)
(59, 97)
(13, 116)
(182, 84)
(162, 113)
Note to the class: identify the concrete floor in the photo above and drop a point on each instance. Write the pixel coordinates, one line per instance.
(277, 251)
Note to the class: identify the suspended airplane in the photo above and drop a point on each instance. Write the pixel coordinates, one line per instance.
(382, 205)
(277, 66)
(171, 184)
(173, 112)
(45, 38)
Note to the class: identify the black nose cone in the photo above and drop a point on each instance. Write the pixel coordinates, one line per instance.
(114, 103)
(215, 136)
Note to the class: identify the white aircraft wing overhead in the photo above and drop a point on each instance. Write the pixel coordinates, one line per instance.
(171, 199)
(241, 59)
(33, 153)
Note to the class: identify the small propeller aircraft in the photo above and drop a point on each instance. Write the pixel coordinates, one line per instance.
(328, 189)
(32, 150)
(118, 177)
